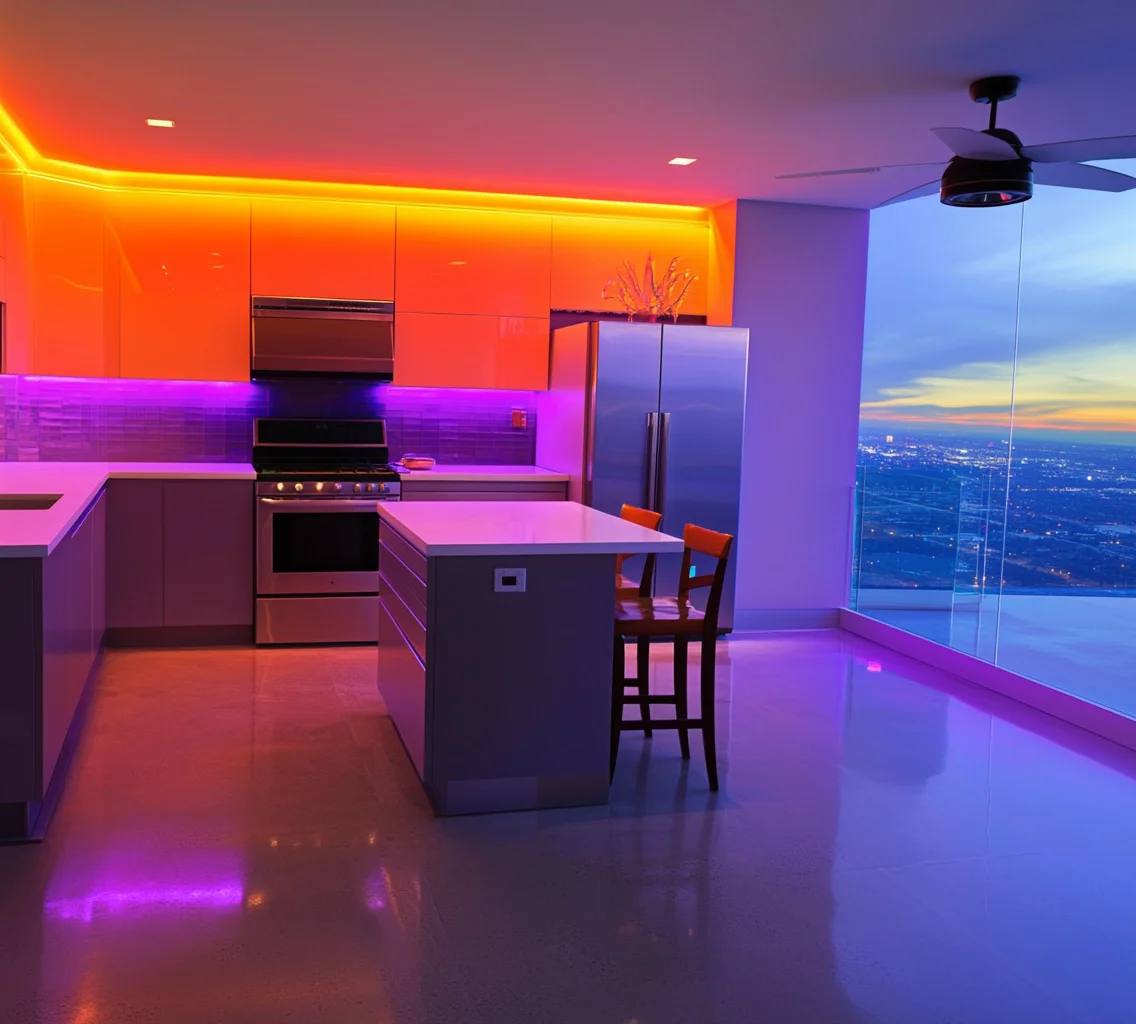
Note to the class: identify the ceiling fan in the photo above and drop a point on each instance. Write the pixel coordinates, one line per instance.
(993, 168)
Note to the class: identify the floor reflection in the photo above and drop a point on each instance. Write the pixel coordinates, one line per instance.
(243, 840)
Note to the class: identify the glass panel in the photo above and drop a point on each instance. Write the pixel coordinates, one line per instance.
(325, 542)
(939, 355)
(1068, 617)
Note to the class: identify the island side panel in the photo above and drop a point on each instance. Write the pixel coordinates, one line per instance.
(20, 671)
(519, 683)
(402, 631)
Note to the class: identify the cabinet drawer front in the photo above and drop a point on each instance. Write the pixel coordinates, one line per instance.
(412, 558)
(396, 576)
(397, 609)
(460, 492)
(402, 684)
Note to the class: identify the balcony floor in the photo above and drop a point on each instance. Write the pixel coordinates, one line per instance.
(1079, 643)
(243, 840)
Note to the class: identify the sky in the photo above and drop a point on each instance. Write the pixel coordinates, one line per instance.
(943, 308)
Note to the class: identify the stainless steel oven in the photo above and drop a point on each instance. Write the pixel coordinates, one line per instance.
(319, 483)
(321, 545)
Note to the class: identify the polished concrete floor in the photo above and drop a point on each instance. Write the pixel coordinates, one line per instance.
(243, 840)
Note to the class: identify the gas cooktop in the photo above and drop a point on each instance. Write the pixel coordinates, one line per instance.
(330, 455)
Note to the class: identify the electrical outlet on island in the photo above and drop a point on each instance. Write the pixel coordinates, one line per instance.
(520, 419)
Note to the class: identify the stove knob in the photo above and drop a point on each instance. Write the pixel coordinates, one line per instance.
(339, 487)
(370, 487)
(280, 487)
(319, 487)
(358, 488)
(299, 487)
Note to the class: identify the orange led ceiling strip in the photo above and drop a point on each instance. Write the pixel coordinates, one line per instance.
(32, 162)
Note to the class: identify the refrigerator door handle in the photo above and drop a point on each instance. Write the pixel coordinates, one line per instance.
(652, 460)
(661, 482)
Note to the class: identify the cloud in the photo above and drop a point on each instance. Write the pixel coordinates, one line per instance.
(1091, 388)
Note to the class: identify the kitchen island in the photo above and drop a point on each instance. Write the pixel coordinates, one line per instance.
(495, 647)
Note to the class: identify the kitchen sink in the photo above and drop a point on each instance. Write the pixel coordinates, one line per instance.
(15, 502)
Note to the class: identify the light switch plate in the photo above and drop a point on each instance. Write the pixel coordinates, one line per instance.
(509, 581)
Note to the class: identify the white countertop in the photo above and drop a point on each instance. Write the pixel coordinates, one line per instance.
(35, 533)
(519, 528)
(486, 474)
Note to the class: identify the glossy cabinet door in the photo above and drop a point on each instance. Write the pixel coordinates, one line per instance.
(183, 306)
(66, 263)
(448, 350)
(473, 262)
(310, 248)
(17, 342)
(134, 554)
(587, 252)
(207, 553)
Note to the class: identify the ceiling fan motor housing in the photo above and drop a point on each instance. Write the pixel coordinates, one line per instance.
(986, 182)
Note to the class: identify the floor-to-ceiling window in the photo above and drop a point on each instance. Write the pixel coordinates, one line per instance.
(996, 505)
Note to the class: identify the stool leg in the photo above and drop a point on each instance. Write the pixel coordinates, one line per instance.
(707, 711)
(643, 674)
(682, 708)
(617, 681)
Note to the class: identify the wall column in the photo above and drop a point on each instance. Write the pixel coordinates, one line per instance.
(799, 280)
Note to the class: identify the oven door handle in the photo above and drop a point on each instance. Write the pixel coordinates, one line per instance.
(326, 504)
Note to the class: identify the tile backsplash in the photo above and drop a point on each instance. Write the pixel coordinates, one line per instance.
(67, 419)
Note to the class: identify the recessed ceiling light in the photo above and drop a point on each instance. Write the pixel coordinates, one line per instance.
(683, 161)
(159, 122)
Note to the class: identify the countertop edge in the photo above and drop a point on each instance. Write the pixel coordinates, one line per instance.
(180, 471)
(548, 548)
(486, 474)
(102, 473)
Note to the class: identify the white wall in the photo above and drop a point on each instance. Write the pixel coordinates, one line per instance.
(799, 284)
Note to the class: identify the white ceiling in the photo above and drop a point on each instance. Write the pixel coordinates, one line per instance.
(578, 97)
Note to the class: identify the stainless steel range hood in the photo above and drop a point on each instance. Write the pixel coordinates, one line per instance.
(293, 337)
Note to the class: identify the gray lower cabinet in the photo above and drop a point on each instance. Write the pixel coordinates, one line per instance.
(422, 488)
(51, 631)
(134, 554)
(180, 561)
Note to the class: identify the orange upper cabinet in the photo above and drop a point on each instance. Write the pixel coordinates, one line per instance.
(183, 308)
(587, 252)
(472, 261)
(322, 249)
(65, 231)
(464, 351)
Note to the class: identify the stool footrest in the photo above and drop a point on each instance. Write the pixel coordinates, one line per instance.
(665, 723)
(652, 699)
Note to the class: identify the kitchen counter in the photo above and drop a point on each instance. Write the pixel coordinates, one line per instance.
(35, 533)
(496, 641)
(519, 528)
(485, 474)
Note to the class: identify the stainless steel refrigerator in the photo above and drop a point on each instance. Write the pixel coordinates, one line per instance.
(650, 415)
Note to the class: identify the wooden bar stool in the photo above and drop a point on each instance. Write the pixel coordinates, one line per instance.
(625, 587)
(645, 617)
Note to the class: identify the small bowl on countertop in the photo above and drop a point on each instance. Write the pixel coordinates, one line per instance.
(417, 462)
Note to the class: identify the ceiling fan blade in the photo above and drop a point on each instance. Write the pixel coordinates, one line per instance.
(913, 193)
(1082, 176)
(1117, 147)
(972, 145)
(854, 170)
